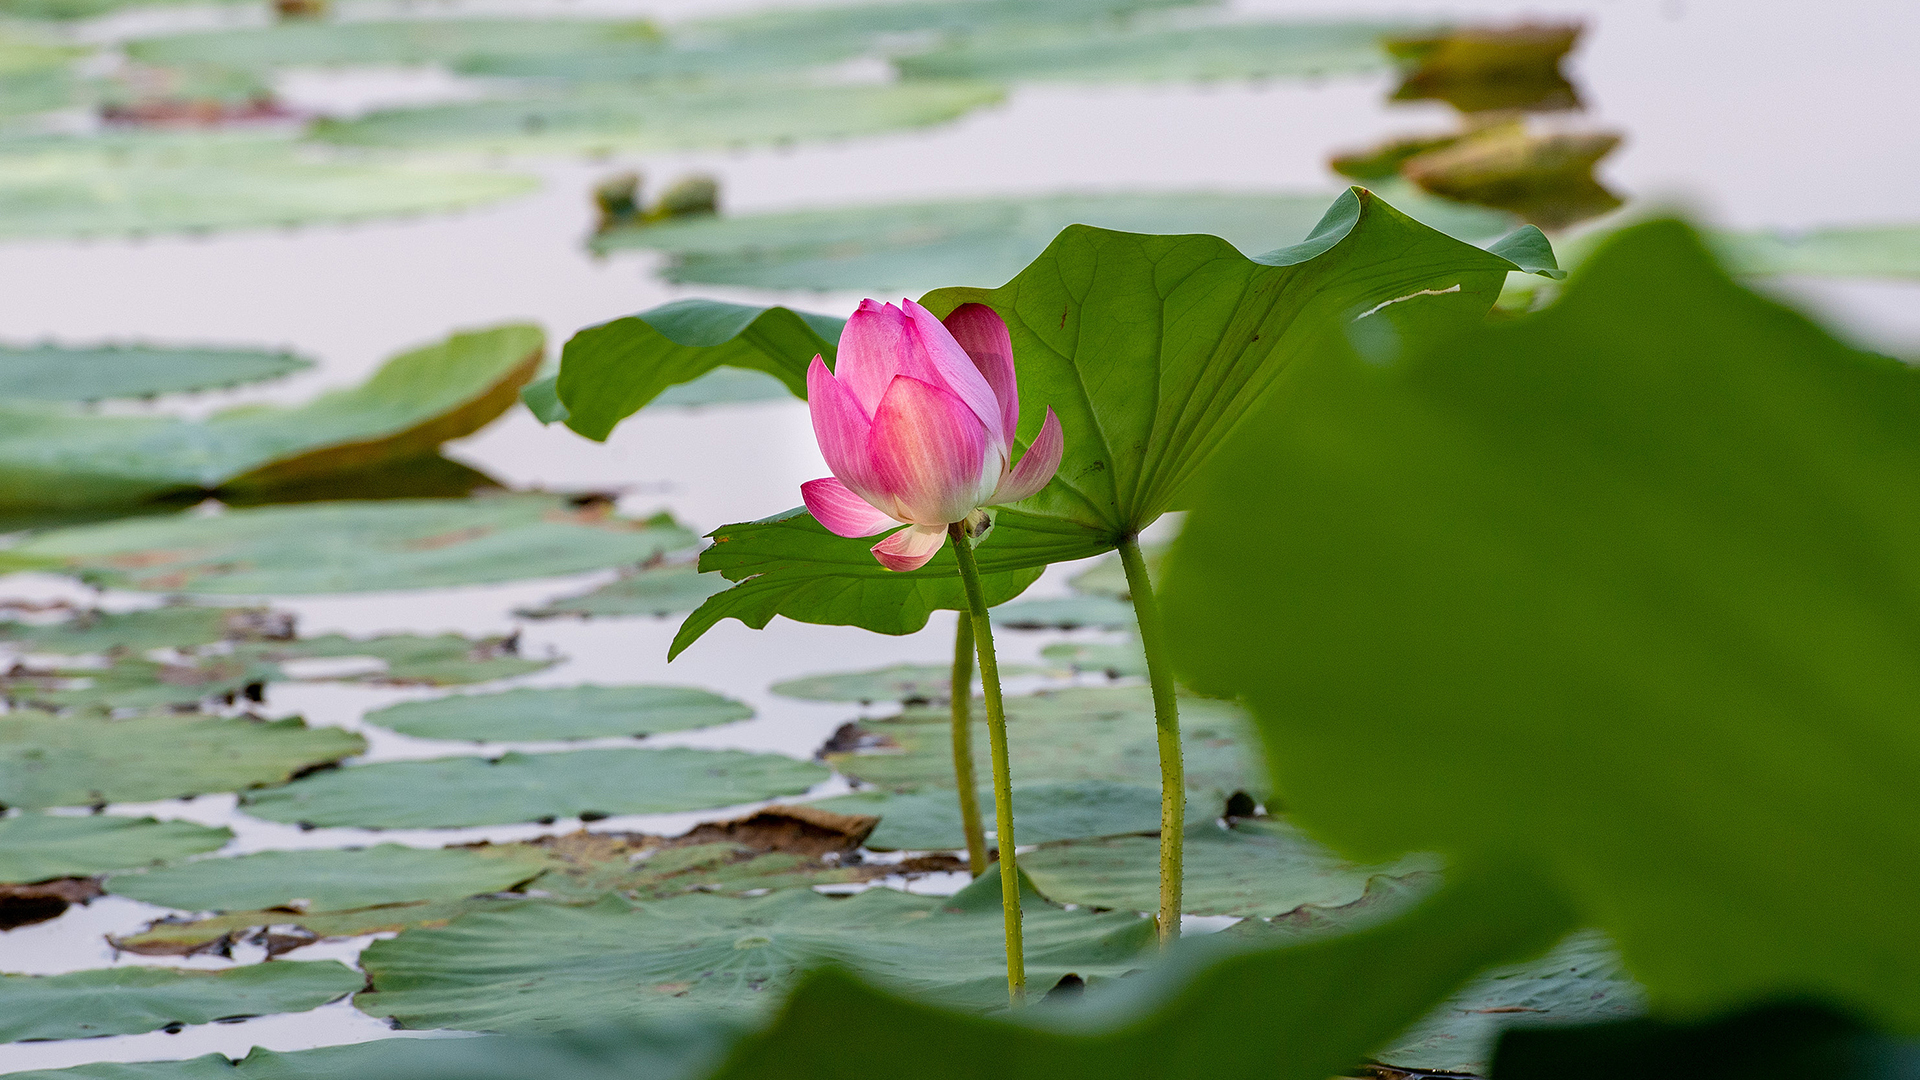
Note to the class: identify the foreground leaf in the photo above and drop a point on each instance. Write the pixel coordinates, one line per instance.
(1652, 541)
(546, 969)
(415, 402)
(57, 373)
(129, 1000)
(575, 712)
(325, 880)
(37, 847)
(350, 546)
(1780, 1040)
(63, 762)
(450, 793)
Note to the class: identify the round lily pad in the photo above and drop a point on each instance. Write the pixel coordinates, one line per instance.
(462, 791)
(1066, 613)
(129, 1000)
(327, 880)
(574, 712)
(53, 373)
(655, 591)
(1042, 814)
(35, 847)
(913, 683)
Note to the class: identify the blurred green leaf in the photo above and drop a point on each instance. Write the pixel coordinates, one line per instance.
(1786, 1041)
(1161, 51)
(37, 847)
(133, 999)
(1652, 543)
(64, 373)
(572, 712)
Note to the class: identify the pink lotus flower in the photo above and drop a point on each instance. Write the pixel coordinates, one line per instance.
(917, 425)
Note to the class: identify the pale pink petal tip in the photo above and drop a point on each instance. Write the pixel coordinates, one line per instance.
(835, 506)
(1036, 467)
(910, 549)
(983, 334)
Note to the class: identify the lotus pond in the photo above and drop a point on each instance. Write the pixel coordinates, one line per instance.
(1391, 653)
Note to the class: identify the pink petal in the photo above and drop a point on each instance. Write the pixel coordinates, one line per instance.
(929, 454)
(983, 334)
(841, 427)
(948, 366)
(872, 347)
(909, 549)
(834, 505)
(1036, 467)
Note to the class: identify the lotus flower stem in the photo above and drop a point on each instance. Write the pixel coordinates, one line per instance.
(1166, 718)
(962, 695)
(997, 739)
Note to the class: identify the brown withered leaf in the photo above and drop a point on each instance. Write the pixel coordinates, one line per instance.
(1486, 69)
(21, 905)
(1546, 179)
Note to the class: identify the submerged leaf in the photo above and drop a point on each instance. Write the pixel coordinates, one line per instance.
(574, 712)
(132, 999)
(39, 847)
(65, 373)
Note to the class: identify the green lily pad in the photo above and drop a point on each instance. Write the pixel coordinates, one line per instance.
(1066, 736)
(542, 969)
(633, 117)
(93, 632)
(1580, 982)
(57, 373)
(929, 820)
(411, 659)
(907, 247)
(218, 933)
(37, 847)
(132, 683)
(463, 791)
(1115, 661)
(325, 880)
(140, 184)
(574, 712)
(1144, 51)
(54, 457)
(661, 590)
(910, 683)
(351, 546)
(1066, 613)
(456, 43)
(1253, 868)
(129, 1000)
(62, 762)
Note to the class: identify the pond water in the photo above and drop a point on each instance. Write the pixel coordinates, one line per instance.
(1752, 114)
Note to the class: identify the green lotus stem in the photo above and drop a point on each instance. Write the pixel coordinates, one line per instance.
(1166, 719)
(962, 695)
(997, 740)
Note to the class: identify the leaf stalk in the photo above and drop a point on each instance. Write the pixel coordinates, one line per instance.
(1166, 721)
(961, 693)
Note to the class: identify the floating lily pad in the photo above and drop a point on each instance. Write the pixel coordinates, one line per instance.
(660, 590)
(1545, 179)
(413, 659)
(1581, 981)
(456, 43)
(57, 373)
(62, 762)
(132, 683)
(916, 246)
(543, 969)
(218, 934)
(574, 712)
(1066, 613)
(911, 683)
(1479, 69)
(458, 792)
(1144, 51)
(326, 880)
(1106, 577)
(1066, 736)
(37, 847)
(57, 457)
(351, 546)
(1868, 251)
(129, 1000)
(1252, 868)
(136, 185)
(93, 632)
(1114, 661)
(929, 820)
(604, 118)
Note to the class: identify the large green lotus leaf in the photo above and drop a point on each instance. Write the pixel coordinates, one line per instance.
(350, 546)
(911, 247)
(326, 880)
(63, 762)
(1580, 982)
(141, 184)
(545, 969)
(1301, 1009)
(1104, 733)
(1066, 613)
(635, 117)
(791, 565)
(1251, 868)
(1653, 542)
(458, 792)
(913, 684)
(656, 591)
(454, 43)
(1150, 349)
(929, 820)
(1163, 51)
(57, 373)
(37, 847)
(573, 712)
(52, 457)
(723, 386)
(1873, 251)
(129, 1000)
